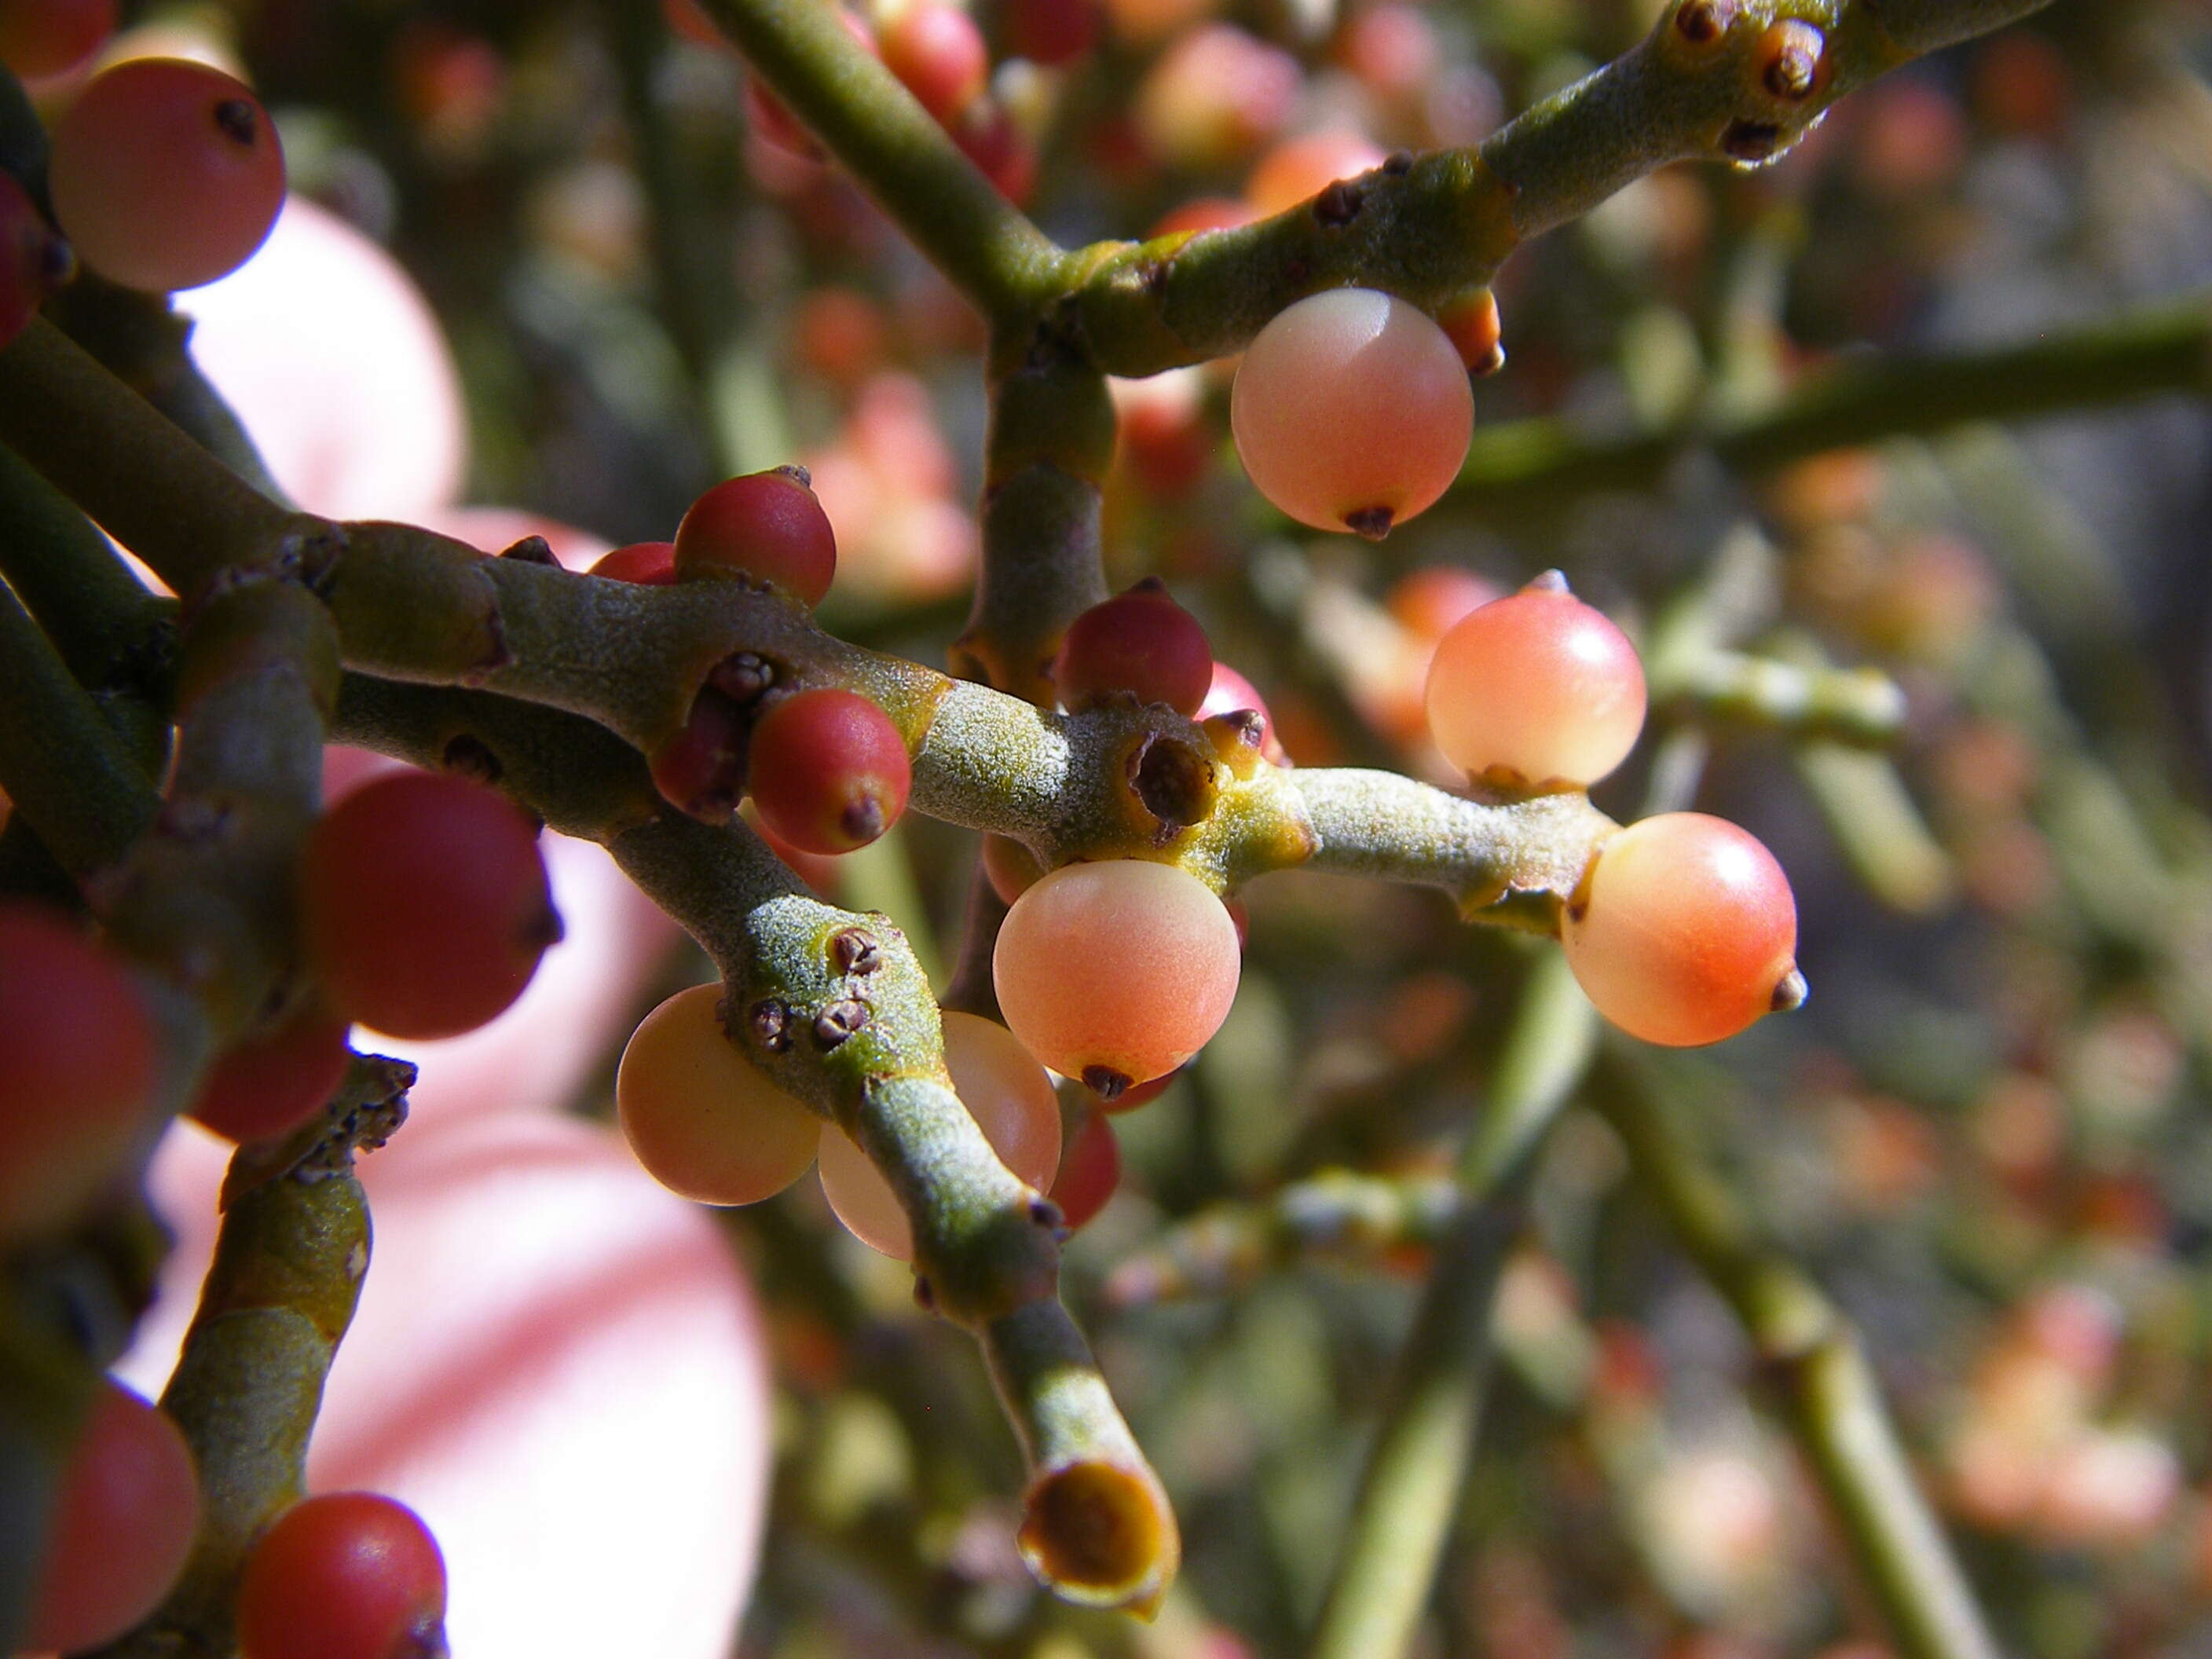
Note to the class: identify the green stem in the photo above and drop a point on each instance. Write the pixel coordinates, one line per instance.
(918, 176)
(1430, 230)
(1411, 1487)
(834, 1006)
(69, 772)
(108, 629)
(1812, 1358)
(2152, 350)
(288, 1265)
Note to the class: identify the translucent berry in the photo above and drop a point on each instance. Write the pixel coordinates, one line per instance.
(164, 173)
(704, 1119)
(1141, 642)
(42, 38)
(424, 904)
(35, 260)
(1229, 692)
(1005, 1091)
(1307, 165)
(77, 1067)
(829, 770)
(1683, 931)
(1010, 868)
(1351, 411)
(347, 1575)
(1090, 1171)
(269, 1083)
(767, 525)
(1535, 690)
(1050, 32)
(123, 1523)
(938, 55)
(1116, 972)
(652, 564)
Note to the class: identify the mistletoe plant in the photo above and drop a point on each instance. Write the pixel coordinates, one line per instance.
(187, 930)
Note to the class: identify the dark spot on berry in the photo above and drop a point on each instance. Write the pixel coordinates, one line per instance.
(798, 474)
(543, 931)
(1046, 1213)
(240, 120)
(863, 820)
(1372, 523)
(1106, 1082)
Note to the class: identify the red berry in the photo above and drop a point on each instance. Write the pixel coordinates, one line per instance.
(994, 142)
(272, 1082)
(766, 525)
(829, 771)
(1536, 689)
(1230, 692)
(77, 1063)
(347, 1575)
(424, 904)
(1050, 32)
(41, 38)
(1683, 931)
(650, 563)
(700, 770)
(1142, 642)
(1473, 326)
(1090, 1171)
(166, 173)
(938, 54)
(123, 1523)
(1352, 411)
(1116, 972)
(34, 261)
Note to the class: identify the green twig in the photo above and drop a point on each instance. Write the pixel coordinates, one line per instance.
(1812, 1358)
(1411, 1486)
(872, 126)
(2154, 349)
(288, 1271)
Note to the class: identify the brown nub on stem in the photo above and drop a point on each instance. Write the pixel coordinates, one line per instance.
(1372, 523)
(1105, 1082)
(1097, 1532)
(1701, 22)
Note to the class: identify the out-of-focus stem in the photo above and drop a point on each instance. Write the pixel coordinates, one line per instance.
(1812, 1358)
(902, 157)
(2159, 347)
(1414, 1472)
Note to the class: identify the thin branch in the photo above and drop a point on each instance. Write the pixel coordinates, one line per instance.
(1812, 1358)
(288, 1265)
(1411, 1486)
(2153, 349)
(1430, 229)
(874, 127)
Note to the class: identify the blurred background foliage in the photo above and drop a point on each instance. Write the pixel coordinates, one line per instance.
(1986, 1137)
